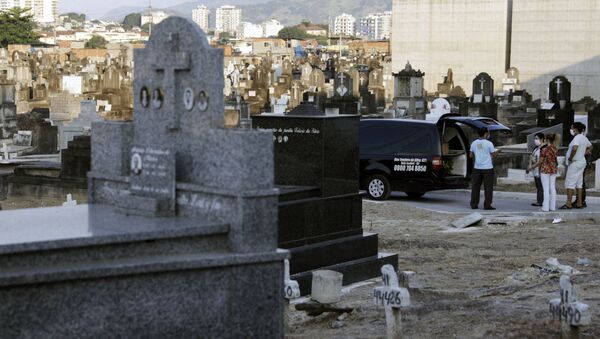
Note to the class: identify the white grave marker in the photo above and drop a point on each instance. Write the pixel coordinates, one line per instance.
(5, 152)
(568, 309)
(391, 296)
(70, 201)
(291, 289)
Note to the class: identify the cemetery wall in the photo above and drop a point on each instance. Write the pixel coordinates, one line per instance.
(465, 35)
(549, 38)
(557, 37)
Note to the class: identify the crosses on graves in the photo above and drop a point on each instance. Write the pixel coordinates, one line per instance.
(570, 312)
(391, 296)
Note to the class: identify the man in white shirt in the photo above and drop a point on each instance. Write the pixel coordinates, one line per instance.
(482, 152)
(576, 161)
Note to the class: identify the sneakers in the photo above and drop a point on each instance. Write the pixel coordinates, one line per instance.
(489, 208)
(536, 204)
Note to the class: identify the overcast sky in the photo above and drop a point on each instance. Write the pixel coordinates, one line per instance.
(96, 9)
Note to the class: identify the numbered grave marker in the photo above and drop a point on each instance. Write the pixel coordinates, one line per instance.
(567, 308)
(391, 296)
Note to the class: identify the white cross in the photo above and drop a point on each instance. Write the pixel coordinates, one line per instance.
(558, 82)
(392, 297)
(342, 77)
(482, 81)
(362, 81)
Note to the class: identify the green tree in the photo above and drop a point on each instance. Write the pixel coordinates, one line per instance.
(79, 17)
(17, 27)
(96, 42)
(292, 33)
(132, 20)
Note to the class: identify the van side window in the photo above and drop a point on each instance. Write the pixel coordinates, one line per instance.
(395, 140)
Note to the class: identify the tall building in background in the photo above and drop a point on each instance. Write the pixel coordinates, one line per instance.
(376, 26)
(271, 28)
(201, 16)
(344, 25)
(43, 11)
(154, 16)
(541, 38)
(228, 19)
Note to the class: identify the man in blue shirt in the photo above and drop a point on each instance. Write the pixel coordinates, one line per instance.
(482, 152)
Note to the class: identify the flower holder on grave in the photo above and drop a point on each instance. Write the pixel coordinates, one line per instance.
(180, 233)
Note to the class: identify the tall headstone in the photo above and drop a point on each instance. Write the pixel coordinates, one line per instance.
(317, 170)
(558, 109)
(482, 102)
(181, 232)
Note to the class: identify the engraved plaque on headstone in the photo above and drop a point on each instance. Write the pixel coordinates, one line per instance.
(153, 172)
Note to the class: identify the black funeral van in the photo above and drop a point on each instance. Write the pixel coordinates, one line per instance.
(415, 156)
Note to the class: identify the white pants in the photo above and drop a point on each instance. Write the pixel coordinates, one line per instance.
(549, 184)
(574, 178)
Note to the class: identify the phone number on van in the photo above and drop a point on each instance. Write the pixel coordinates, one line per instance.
(410, 165)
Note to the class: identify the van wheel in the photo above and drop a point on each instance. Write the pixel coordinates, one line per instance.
(415, 195)
(378, 187)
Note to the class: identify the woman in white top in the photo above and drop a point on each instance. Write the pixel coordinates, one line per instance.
(577, 163)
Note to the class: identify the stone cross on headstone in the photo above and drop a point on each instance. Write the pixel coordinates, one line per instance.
(391, 296)
(558, 82)
(177, 93)
(482, 82)
(570, 312)
(168, 66)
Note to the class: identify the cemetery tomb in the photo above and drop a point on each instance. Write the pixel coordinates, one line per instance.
(482, 102)
(558, 109)
(320, 208)
(180, 233)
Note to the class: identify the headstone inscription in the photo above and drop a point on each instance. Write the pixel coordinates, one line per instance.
(129, 265)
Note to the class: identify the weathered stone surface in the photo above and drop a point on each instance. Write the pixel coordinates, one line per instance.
(467, 221)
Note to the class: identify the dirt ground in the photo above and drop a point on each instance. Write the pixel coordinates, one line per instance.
(473, 283)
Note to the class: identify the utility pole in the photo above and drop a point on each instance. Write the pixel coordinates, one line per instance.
(151, 18)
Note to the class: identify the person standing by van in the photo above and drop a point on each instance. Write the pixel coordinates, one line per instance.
(534, 167)
(548, 170)
(482, 151)
(577, 163)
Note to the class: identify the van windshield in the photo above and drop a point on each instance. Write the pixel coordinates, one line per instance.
(394, 139)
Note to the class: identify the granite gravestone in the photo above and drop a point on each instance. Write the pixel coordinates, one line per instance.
(343, 101)
(180, 235)
(558, 109)
(482, 103)
(320, 208)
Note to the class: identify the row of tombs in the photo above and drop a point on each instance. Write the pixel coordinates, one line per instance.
(179, 230)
